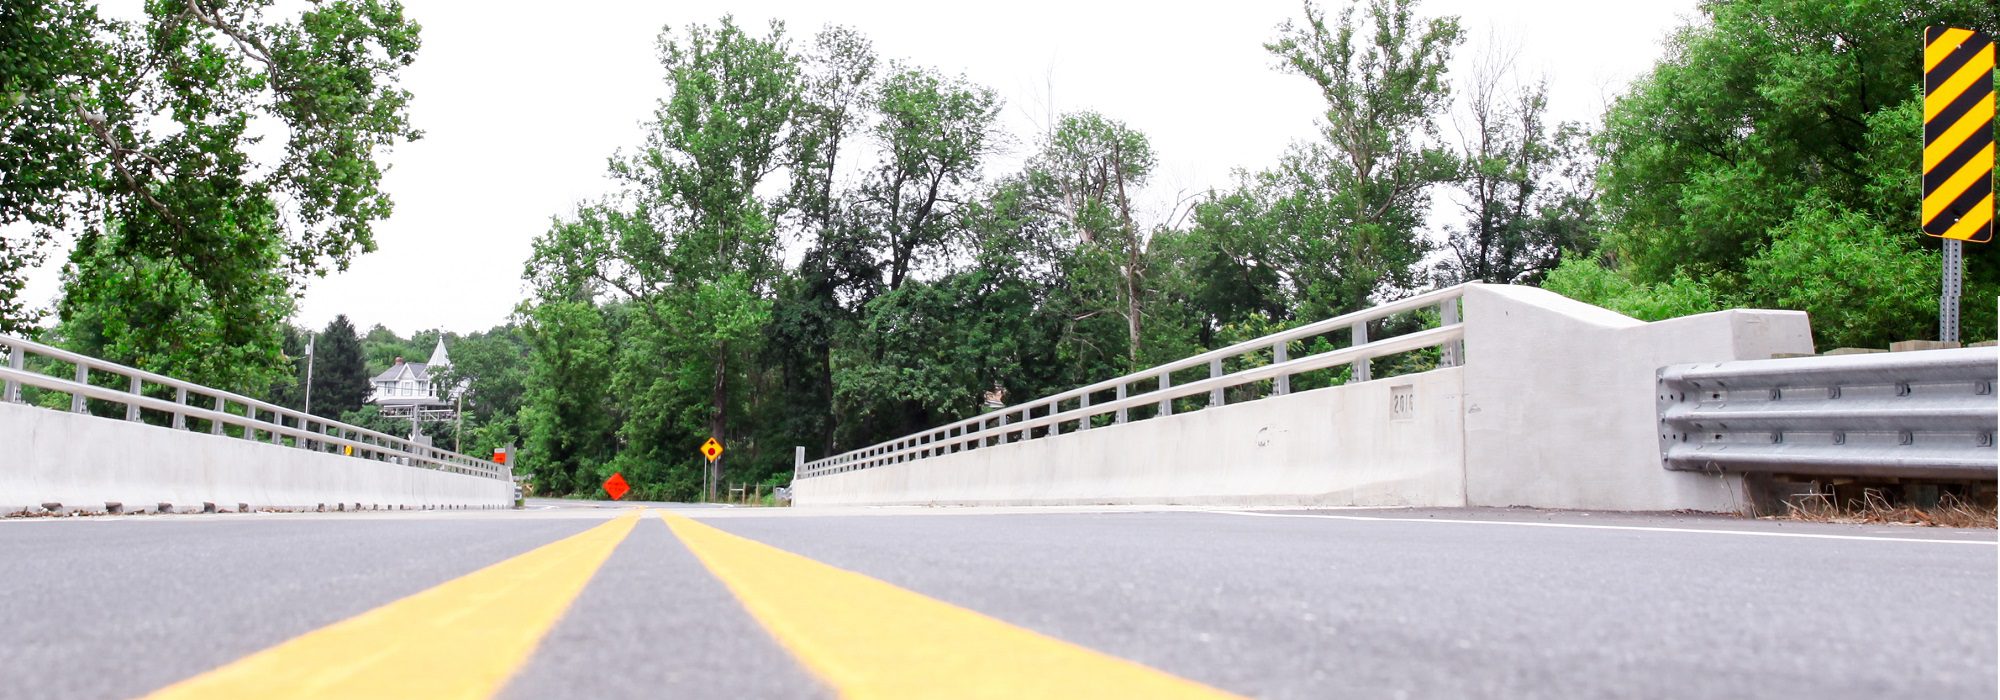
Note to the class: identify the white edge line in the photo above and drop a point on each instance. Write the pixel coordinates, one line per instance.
(1580, 526)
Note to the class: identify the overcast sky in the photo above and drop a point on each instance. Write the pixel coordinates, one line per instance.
(521, 104)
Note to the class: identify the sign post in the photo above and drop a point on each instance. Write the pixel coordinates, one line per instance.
(1958, 154)
(713, 451)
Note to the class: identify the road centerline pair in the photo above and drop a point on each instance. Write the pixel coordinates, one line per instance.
(864, 638)
(463, 638)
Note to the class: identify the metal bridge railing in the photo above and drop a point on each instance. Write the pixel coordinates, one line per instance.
(258, 420)
(1047, 416)
(1926, 414)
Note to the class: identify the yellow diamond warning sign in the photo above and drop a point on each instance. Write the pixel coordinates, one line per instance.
(711, 449)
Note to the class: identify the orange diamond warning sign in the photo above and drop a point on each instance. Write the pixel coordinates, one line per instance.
(711, 449)
(616, 486)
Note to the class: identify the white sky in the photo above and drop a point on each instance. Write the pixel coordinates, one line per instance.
(522, 103)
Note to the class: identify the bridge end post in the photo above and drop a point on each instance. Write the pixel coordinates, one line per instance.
(16, 360)
(1281, 352)
(76, 400)
(1451, 354)
(1215, 397)
(1121, 397)
(1361, 369)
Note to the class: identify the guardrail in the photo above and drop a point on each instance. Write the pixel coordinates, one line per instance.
(196, 402)
(1926, 414)
(1046, 416)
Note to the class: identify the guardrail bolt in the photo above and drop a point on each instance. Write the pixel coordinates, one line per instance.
(114, 507)
(207, 507)
(166, 507)
(341, 507)
(322, 508)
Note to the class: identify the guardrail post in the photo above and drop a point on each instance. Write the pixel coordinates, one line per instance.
(82, 377)
(132, 408)
(1214, 371)
(278, 419)
(1121, 397)
(1281, 352)
(180, 397)
(1081, 404)
(1450, 354)
(17, 359)
(1005, 437)
(215, 424)
(1166, 403)
(1360, 371)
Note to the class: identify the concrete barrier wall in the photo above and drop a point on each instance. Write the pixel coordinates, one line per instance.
(84, 461)
(1561, 404)
(1341, 445)
(1554, 408)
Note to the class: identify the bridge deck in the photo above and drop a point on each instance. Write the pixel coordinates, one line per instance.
(622, 602)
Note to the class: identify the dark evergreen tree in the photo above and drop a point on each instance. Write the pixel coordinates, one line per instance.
(340, 374)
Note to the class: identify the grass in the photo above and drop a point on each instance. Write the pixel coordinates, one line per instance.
(1874, 507)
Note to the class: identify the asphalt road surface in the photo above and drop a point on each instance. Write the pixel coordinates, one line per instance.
(573, 600)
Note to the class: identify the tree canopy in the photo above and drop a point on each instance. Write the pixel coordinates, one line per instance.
(811, 244)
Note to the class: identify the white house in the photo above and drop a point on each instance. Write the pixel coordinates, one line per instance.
(410, 383)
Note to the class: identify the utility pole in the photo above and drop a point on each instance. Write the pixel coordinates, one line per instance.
(309, 373)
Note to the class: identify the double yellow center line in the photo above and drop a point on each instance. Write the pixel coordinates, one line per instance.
(861, 636)
(461, 639)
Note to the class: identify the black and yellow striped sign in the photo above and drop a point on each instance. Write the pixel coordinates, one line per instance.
(1958, 134)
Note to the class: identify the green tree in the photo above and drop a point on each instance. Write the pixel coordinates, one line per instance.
(933, 132)
(1587, 280)
(838, 273)
(566, 406)
(1087, 171)
(53, 51)
(1776, 119)
(1524, 185)
(1353, 204)
(138, 135)
(1824, 259)
(340, 374)
(290, 390)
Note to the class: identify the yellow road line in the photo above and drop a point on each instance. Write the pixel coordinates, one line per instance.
(870, 639)
(460, 639)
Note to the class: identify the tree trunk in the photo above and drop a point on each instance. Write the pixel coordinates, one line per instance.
(718, 417)
(1132, 250)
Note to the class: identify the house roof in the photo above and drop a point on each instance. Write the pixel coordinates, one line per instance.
(417, 371)
(439, 358)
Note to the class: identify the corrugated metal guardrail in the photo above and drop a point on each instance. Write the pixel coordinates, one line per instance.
(258, 420)
(1926, 414)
